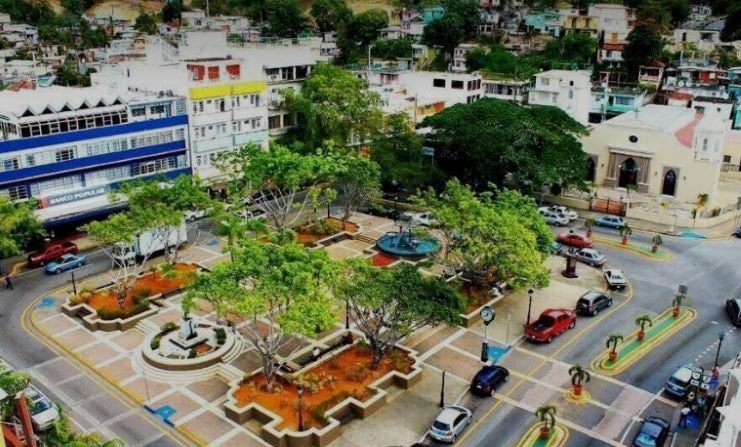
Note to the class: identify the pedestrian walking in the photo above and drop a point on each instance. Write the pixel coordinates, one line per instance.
(683, 415)
(8, 282)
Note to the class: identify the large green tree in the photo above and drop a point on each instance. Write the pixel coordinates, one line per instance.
(357, 178)
(387, 305)
(277, 181)
(334, 105)
(279, 290)
(446, 32)
(330, 14)
(491, 240)
(500, 142)
(364, 27)
(19, 227)
(732, 29)
(285, 18)
(644, 45)
(146, 23)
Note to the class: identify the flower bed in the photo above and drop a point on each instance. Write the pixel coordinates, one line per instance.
(310, 235)
(382, 259)
(339, 387)
(102, 304)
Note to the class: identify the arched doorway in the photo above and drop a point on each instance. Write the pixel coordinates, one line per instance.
(670, 183)
(628, 173)
(591, 170)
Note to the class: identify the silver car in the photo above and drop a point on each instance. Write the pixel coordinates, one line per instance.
(44, 412)
(591, 256)
(552, 218)
(450, 422)
(615, 279)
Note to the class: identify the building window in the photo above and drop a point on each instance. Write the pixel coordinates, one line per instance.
(458, 85)
(157, 110)
(704, 144)
(213, 73)
(138, 111)
(571, 94)
(9, 164)
(107, 176)
(633, 139)
(64, 154)
(438, 83)
(274, 122)
(544, 82)
(670, 183)
(14, 193)
(726, 159)
(154, 166)
(287, 120)
(49, 187)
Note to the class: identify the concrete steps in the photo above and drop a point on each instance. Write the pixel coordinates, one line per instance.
(147, 327)
(364, 238)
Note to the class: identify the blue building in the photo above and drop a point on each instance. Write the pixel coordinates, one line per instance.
(67, 147)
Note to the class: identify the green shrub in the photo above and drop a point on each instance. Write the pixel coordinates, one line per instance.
(142, 294)
(320, 409)
(192, 353)
(168, 327)
(220, 335)
(155, 344)
(322, 228)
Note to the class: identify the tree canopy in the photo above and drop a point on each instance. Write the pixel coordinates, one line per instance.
(334, 105)
(285, 18)
(503, 143)
(644, 45)
(19, 227)
(732, 29)
(330, 14)
(492, 237)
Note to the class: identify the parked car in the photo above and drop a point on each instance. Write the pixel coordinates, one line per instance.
(196, 214)
(551, 323)
(653, 433)
(44, 412)
(450, 423)
(610, 221)
(64, 263)
(51, 251)
(591, 256)
(488, 379)
(592, 303)
(575, 240)
(733, 307)
(562, 210)
(679, 383)
(615, 279)
(552, 218)
(738, 232)
(555, 248)
(425, 219)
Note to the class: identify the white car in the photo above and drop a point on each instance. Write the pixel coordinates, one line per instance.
(568, 212)
(194, 215)
(250, 214)
(552, 218)
(615, 279)
(44, 412)
(425, 219)
(450, 423)
(591, 256)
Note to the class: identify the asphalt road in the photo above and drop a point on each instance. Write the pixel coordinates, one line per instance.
(710, 270)
(90, 402)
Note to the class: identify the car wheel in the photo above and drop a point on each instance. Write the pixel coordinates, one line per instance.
(572, 325)
(79, 264)
(493, 392)
(594, 313)
(609, 303)
(452, 440)
(506, 378)
(58, 271)
(550, 339)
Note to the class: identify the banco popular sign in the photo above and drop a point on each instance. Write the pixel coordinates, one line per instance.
(61, 199)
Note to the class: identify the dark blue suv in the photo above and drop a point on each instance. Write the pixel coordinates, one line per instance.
(487, 380)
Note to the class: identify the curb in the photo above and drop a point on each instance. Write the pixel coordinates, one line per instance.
(559, 436)
(618, 244)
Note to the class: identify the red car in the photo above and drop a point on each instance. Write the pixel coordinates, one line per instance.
(50, 252)
(575, 240)
(552, 322)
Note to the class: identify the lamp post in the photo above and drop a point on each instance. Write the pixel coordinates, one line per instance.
(530, 293)
(300, 392)
(347, 315)
(487, 316)
(721, 336)
(442, 392)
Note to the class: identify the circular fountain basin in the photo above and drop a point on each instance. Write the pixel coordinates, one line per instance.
(404, 245)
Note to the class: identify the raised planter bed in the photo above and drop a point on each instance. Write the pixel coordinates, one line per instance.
(474, 301)
(309, 237)
(101, 310)
(323, 410)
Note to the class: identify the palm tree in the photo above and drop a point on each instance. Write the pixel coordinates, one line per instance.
(643, 321)
(614, 340)
(578, 375)
(657, 240)
(61, 433)
(625, 231)
(547, 415)
(589, 223)
(677, 303)
(12, 383)
(235, 228)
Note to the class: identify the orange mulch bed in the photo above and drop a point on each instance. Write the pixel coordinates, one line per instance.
(382, 259)
(202, 348)
(473, 296)
(308, 238)
(154, 282)
(284, 402)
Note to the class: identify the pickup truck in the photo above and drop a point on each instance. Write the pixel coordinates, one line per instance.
(552, 322)
(50, 252)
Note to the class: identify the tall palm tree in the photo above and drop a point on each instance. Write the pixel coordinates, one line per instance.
(547, 415)
(614, 340)
(578, 375)
(643, 321)
(236, 228)
(62, 434)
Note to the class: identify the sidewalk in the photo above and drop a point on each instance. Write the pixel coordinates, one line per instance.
(719, 231)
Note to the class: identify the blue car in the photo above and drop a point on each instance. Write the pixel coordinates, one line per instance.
(654, 432)
(66, 262)
(610, 221)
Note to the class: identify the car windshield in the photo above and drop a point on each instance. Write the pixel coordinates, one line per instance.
(40, 405)
(437, 425)
(650, 429)
(676, 381)
(644, 440)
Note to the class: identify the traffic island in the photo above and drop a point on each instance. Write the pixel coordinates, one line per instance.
(644, 250)
(558, 436)
(335, 389)
(573, 398)
(632, 349)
